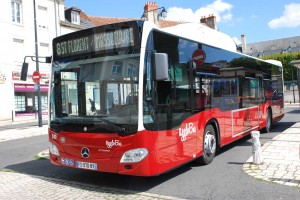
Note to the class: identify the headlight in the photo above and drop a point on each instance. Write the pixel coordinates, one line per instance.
(53, 149)
(133, 156)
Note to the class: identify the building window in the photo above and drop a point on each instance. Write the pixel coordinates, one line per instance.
(75, 17)
(131, 70)
(16, 11)
(44, 49)
(20, 103)
(117, 68)
(42, 18)
(18, 47)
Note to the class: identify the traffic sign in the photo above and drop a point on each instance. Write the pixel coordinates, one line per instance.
(36, 77)
(199, 56)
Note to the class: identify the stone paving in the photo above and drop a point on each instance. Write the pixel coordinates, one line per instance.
(280, 159)
(20, 186)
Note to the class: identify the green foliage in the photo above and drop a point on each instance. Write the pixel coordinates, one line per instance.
(285, 59)
(38, 157)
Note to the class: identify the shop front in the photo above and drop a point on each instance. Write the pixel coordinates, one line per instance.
(26, 97)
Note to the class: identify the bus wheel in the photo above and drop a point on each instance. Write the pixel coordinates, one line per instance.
(268, 122)
(209, 145)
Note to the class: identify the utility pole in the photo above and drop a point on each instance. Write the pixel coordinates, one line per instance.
(37, 68)
(55, 17)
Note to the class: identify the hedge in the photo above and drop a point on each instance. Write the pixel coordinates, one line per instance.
(285, 59)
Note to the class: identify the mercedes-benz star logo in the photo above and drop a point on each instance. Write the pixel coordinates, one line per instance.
(85, 152)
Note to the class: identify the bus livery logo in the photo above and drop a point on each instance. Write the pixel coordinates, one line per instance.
(112, 143)
(184, 132)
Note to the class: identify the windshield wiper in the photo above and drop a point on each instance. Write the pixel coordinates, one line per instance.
(117, 128)
(57, 126)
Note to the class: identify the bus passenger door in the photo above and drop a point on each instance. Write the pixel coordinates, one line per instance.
(225, 96)
(247, 117)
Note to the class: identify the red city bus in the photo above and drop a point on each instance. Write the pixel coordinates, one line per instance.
(134, 99)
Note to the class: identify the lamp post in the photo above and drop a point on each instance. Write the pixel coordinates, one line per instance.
(55, 17)
(37, 68)
(156, 17)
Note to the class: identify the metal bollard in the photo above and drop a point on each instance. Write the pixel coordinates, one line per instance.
(256, 150)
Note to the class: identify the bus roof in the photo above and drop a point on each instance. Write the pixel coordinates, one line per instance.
(203, 34)
(274, 62)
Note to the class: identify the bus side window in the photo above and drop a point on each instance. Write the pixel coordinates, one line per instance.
(216, 94)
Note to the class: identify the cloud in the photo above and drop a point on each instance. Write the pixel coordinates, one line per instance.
(253, 16)
(290, 18)
(219, 8)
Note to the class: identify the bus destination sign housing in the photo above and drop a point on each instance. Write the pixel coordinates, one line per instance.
(95, 40)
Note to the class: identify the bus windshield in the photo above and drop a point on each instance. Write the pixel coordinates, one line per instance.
(97, 94)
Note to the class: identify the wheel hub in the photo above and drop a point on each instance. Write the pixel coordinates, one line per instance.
(209, 144)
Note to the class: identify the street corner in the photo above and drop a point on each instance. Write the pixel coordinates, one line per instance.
(270, 172)
(274, 172)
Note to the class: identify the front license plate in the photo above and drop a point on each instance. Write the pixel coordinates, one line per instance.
(86, 165)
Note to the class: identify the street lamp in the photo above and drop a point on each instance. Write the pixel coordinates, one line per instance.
(162, 14)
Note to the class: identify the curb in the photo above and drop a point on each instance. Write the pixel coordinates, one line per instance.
(44, 154)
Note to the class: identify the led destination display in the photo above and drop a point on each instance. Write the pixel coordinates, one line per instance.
(96, 42)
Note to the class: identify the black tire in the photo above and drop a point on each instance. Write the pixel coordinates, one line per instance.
(209, 145)
(267, 129)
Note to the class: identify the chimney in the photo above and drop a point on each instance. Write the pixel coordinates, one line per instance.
(210, 21)
(244, 45)
(151, 12)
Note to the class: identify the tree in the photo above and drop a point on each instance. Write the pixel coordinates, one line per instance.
(285, 59)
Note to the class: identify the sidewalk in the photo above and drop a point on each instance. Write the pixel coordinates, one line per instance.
(22, 120)
(280, 159)
(22, 127)
(25, 187)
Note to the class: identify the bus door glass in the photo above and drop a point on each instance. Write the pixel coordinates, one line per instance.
(202, 93)
(248, 115)
(225, 96)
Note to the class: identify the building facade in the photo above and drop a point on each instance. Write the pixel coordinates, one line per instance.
(17, 41)
(269, 47)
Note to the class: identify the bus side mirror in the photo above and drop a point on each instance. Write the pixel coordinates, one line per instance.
(161, 66)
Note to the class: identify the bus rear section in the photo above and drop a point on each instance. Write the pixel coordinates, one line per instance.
(133, 99)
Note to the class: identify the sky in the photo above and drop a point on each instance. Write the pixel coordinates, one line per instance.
(258, 20)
